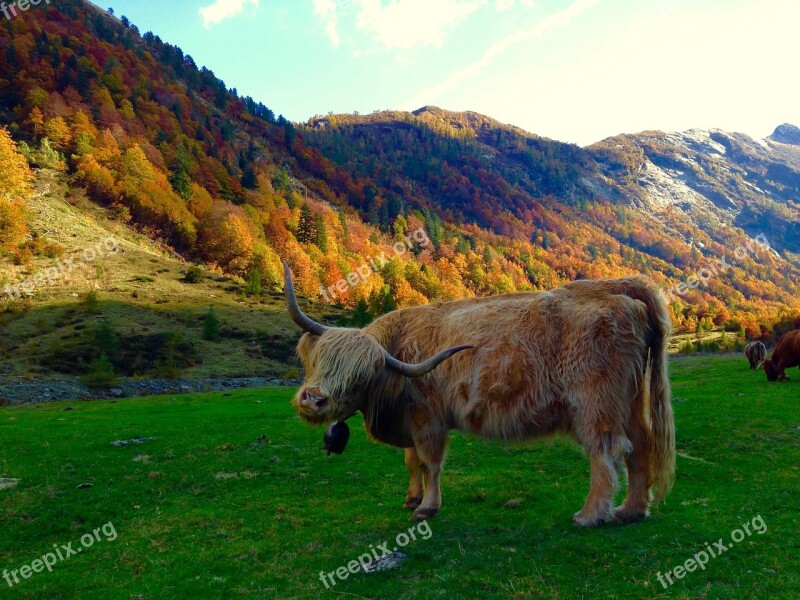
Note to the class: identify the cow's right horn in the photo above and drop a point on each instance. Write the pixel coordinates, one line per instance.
(298, 316)
(409, 370)
(761, 364)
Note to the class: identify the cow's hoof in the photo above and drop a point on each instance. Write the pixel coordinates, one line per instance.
(590, 520)
(412, 502)
(423, 514)
(625, 515)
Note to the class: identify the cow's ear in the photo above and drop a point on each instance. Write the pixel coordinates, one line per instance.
(306, 345)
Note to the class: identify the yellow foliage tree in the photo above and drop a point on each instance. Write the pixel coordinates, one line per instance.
(36, 120)
(59, 133)
(227, 238)
(268, 264)
(15, 188)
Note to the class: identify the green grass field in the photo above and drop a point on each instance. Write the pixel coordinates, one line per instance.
(234, 498)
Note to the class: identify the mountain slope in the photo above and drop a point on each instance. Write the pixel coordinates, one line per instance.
(654, 202)
(163, 146)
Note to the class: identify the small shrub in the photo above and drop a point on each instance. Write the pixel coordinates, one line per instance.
(101, 373)
(121, 212)
(211, 326)
(23, 256)
(43, 325)
(105, 338)
(169, 366)
(144, 278)
(18, 307)
(91, 302)
(253, 283)
(40, 246)
(194, 274)
(291, 373)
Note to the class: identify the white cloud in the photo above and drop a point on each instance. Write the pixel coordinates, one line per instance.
(223, 9)
(326, 11)
(406, 24)
(398, 24)
(545, 26)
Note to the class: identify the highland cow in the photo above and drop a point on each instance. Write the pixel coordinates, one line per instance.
(587, 359)
(755, 353)
(785, 356)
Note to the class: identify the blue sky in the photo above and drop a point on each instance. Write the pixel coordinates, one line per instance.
(573, 70)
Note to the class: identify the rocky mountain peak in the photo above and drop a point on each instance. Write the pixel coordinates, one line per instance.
(786, 134)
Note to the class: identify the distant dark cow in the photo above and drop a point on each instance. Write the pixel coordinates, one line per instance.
(755, 353)
(588, 359)
(785, 356)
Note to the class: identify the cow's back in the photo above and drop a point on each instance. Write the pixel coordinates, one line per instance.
(788, 348)
(535, 352)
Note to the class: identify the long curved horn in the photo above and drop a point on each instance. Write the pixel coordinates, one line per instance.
(303, 321)
(761, 364)
(409, 370)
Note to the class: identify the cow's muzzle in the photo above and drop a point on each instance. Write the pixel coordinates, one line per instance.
(313, 405)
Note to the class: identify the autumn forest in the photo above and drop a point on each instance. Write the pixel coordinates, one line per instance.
(167, 147)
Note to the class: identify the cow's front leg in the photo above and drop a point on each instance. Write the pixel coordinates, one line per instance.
(431, 442)
(415, 487)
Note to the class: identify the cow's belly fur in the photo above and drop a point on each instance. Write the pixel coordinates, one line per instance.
(505, 422)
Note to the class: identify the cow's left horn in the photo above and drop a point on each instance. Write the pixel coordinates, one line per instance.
(298, 316)
(422, 368)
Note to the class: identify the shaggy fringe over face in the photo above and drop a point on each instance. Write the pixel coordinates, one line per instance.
(342, 364)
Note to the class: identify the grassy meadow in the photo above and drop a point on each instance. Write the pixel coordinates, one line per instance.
(234, 498)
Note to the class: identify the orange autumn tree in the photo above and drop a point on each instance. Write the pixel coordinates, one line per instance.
(227, 237)
(15, 188)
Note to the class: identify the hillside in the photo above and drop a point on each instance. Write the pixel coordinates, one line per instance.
(135, 138)
(134, 297)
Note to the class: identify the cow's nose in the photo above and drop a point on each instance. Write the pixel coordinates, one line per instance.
(314, 400)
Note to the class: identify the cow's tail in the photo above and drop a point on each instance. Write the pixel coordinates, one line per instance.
(661, 439)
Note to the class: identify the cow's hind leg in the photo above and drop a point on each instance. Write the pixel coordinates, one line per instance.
(415, 487)
(599, 504)
(637, 498)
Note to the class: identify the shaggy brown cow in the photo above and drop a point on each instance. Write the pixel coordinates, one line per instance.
(587, 359)
(785, 356)
(755, 353)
